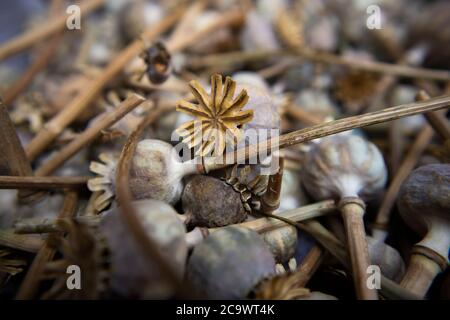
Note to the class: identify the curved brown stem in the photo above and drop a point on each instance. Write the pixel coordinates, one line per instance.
(130, 216)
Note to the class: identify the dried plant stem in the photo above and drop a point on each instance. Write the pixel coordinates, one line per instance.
(89, 135)
(226, 19)
(303, 116)
(375, 66)
(277, 68)
(42, 183)
(437, 120)
(58, 123)
(336, 248)
(31, 282)
(233, 58)
(396, 146)
(419, 145)
(270, 201)
(420, 274)
(241, 57)
(187, 21)
(439, 123)
(53, 225)
(13, 160)
(325, 129)
(44, 30)
(310, 263)
(353, 210)
(28, 243)
(300, 214)
(39, 63)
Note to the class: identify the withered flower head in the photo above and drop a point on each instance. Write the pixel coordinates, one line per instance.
(356, 88)
(103, 182)
(218, 116)
(281, 287)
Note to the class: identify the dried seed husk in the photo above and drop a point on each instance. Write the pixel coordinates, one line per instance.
(211, 202)
(282, 242)
(344, 165)
(424, 204)
(229, 263)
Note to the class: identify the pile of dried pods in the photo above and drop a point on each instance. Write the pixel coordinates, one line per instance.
(285, 149)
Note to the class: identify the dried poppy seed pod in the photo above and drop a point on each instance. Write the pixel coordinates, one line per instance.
(132, 275)
(229, 263)
(282, 242)
(158, 61)
(138, 16)
(344, 166)
(258, 33)
(385, 256)
(156, 173)
(347, 167)
(265, 113)
(210, 202)
(424, 204)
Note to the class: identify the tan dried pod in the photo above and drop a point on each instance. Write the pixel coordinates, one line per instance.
(424, 204)
(349, 168)
(156, 173)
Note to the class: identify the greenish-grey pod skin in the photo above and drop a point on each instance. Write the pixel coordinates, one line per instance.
(229, 263)
(132, 276)
(282, 242)
(210, 202)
